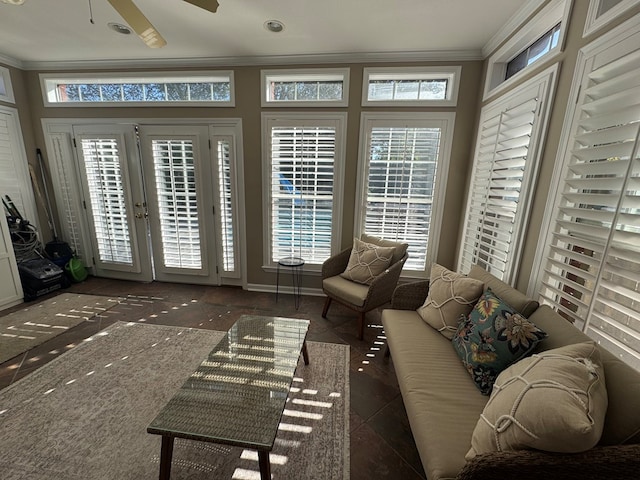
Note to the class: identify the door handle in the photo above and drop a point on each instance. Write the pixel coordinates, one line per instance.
(142, 215)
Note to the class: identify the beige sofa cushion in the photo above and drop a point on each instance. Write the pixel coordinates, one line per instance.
(518, 300)
(443, 405)
(451, 296)
(367, 261)
(554, 401)
(622, 423)
(400, 248)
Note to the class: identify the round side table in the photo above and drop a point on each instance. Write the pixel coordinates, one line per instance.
(296, 264)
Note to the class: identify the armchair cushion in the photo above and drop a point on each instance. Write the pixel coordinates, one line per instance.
(451, 295)
(346, 290)
(367, 261)
(554, 401)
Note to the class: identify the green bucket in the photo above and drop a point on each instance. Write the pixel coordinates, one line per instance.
(76, 270)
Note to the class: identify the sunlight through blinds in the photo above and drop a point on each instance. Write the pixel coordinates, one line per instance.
(592, 273)
(107, 196)
(175, 179)
(401, 179)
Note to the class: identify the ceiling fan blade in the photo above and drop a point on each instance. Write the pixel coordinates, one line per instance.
(139, 23)
(209, 5)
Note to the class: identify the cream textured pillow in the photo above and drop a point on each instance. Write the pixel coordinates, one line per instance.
(450, 295)
(554, 401)
(367, 261)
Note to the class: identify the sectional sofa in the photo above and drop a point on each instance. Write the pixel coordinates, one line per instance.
(444, 405)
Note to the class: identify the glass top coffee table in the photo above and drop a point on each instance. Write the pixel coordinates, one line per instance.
(238, 393)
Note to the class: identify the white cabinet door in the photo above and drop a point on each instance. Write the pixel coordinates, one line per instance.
(10, 286)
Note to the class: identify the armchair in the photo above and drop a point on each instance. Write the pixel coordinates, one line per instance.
(357, 296)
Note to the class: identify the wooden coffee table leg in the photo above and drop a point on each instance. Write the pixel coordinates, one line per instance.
(305, 353)
(166, 452)
(265, 465)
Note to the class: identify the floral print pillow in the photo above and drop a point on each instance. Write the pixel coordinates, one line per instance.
(493, 337)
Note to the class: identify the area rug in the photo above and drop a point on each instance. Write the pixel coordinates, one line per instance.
(84, 414)
(36, 323)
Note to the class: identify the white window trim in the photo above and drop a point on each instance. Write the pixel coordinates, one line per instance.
(6, 88)
(447, 121)
(338, 181)
(452, 74)
(545, 81)
(174, 76)
(556, 11)
(617, 35)
(594, 22)
(302, 74)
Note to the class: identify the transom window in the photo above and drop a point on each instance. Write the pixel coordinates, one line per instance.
(305, 87)
(541, 37)
(410, 86)
(6, 90)
(151, 89)
(534, 52)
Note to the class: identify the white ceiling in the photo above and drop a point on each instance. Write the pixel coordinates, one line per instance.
(58, 33)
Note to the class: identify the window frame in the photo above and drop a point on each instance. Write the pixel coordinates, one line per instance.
(595, 22)
(605, 50)
(542, 87)
(444, 120)
(557, 11)
(304, 74)
(339, 120)
(48, 84)
(6, 88)
(450, 73)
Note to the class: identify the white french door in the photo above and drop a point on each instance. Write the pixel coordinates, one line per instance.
(180, 202)
(159, 201)
(114, 200)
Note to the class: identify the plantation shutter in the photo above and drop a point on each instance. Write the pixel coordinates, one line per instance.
(592, 273)
(66, 189)
(302, 177)
(505, 165)
(175, 182)
(402, 163)
(104, 170)
(226, 204)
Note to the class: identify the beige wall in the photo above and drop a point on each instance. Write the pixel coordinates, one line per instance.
(247, 82)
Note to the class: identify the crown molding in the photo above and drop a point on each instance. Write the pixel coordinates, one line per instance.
(511, 26)
(11, 62)
(422, 56)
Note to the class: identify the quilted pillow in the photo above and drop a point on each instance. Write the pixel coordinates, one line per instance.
(493, 337)
(554, 401)
(450, 295)
(367, 261)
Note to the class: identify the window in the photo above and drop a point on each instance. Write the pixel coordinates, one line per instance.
(305, 87)
(410, 86)
(403, 170)
(303, 171)
(590, 270)
(602, 12)
(152, 89)
(6, 89)
(534, 52)
(541, 38)
(507, 154)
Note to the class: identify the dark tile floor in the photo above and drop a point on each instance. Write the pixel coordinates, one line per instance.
(382, 446)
